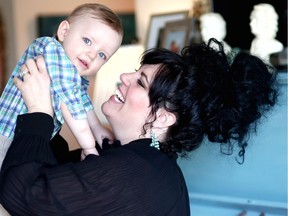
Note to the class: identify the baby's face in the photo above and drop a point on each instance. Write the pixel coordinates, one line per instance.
(89, 43)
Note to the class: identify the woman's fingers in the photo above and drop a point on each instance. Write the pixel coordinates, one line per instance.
(18, 82)
(35, 86)
(41, 65)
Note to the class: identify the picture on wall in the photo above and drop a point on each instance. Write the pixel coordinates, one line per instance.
(158, 22)
(129, 28)
(175, 35)
(48, 24)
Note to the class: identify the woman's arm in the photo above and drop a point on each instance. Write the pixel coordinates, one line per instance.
(26, 155)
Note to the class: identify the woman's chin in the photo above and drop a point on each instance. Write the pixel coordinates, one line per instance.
(108, 107)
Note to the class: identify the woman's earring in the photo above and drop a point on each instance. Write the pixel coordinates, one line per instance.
(155, 142)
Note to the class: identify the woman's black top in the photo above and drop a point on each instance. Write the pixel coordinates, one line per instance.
(134, 179)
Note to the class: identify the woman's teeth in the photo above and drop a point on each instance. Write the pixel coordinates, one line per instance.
(118, 97)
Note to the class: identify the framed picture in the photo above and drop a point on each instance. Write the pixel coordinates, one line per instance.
(158, 22)
(129, 28)
(48, 24)
(175, 35)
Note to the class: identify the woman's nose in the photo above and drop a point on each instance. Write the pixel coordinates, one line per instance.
(124, 78)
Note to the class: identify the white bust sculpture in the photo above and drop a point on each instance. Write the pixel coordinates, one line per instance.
(264, 26)
(214, 25)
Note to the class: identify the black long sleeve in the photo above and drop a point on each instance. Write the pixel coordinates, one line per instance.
(134, 179)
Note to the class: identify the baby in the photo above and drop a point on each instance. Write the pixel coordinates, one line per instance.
(84, 42)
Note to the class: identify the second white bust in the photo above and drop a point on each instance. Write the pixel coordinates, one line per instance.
(264, 26)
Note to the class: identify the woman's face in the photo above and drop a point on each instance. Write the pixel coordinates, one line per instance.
(128, 109)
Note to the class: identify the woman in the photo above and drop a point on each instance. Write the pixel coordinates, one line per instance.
(162, 110)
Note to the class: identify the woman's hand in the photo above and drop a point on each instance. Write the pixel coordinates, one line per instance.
(35, 86)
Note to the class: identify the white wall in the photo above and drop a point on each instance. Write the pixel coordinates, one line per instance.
(125, 60)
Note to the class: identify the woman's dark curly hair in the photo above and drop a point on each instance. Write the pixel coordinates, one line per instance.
(209, 95)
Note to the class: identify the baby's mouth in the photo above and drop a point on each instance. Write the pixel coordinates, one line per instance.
(84, 63)
(119, 97)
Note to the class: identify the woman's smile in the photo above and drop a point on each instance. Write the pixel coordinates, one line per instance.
(119, 97)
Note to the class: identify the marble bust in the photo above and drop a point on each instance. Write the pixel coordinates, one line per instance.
(264, 26)
(214, 25)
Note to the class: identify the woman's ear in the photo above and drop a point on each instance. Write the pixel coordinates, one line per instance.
(62, 30)
(164, 119)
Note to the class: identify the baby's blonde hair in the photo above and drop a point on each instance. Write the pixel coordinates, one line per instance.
(100, 12)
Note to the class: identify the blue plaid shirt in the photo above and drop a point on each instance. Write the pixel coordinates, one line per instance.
(66, 86)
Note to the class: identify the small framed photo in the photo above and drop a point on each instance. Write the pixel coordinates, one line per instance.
(176, 35)
(157, 23)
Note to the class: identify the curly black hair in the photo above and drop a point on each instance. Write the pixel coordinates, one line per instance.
(211, 94)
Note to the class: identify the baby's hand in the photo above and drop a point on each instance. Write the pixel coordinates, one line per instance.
(86, 152)
(103, 133)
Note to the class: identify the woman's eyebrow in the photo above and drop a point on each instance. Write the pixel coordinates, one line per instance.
(145, 77)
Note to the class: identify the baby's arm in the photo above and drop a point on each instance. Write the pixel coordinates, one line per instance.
(98, 130)
(81, 130)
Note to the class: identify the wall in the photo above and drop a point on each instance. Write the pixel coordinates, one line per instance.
(9, 36)
(125, 60)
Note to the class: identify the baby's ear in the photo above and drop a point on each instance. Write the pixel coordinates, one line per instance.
(63, 30)
(164, 119)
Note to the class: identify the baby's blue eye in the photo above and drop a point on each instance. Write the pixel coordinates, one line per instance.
(87, 41)
(102, 55)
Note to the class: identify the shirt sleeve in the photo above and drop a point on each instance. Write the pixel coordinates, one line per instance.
(65, 82)
(32, 183)
(86, 100)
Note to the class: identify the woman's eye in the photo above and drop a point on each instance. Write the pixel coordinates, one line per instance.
(87, 41)
(139, 81)
(102, 55)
